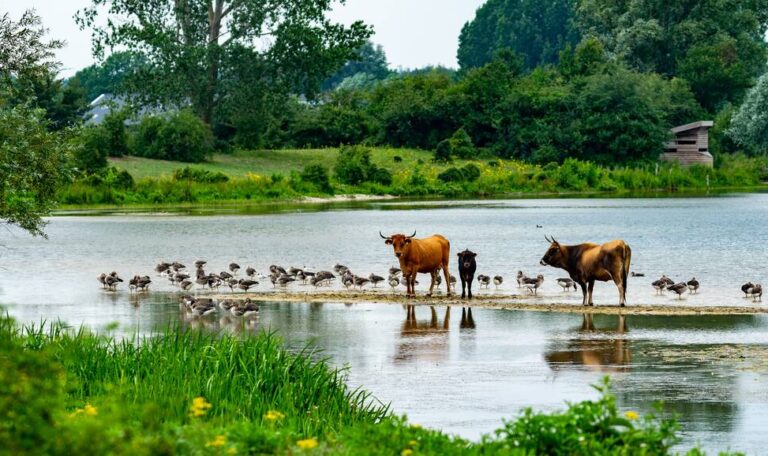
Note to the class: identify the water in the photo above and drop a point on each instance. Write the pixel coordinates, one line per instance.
(463, 379)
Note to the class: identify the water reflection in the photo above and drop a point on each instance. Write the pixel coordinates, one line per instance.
(467, 322)
(600, 350)
(423, 340)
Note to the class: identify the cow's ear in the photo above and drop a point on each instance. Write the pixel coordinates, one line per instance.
(458, 254)
(388, 241)
(474, 255)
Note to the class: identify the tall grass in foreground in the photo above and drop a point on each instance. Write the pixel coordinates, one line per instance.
(190, 393)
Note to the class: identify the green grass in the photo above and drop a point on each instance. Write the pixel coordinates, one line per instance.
(183, 392)
(241, 162)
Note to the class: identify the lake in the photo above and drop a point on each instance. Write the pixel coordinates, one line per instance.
(462, 375)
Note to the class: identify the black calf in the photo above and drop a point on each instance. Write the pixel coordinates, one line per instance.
(467, 268)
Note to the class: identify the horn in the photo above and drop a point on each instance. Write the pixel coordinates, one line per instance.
(413, 235)
(382, 236)
(547, 238)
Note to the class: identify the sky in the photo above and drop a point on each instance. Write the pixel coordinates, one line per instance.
(414, 33)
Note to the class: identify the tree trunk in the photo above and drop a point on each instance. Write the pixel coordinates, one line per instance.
(213, 50)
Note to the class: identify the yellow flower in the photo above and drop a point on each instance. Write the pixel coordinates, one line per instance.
(274, 415)
(90, 410)
(307, 444)
(413, 443)
(407, 452)
(220, 440)
(232, 450)
(199, 407)
(631, 415)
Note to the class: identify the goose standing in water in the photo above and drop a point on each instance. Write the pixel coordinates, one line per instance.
(498, 280)
(185, 285)
(234, 268)
(245, 309)
(484, 280)
(637, 274)
(375, 279)
(693, 285)
(394, 271)
(566, 283)
(520, 279)
(757, 292)
(394, 281)
(661, 284)
(746, 287)
(246, 284)
(250, 272)
(112, 280)
(533, 285)
(678, 288)
(200, 263)
(102, 280)
(284, 280)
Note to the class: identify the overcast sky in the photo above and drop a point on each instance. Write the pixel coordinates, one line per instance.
(414, 33)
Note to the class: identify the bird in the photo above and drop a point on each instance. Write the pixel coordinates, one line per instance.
(294, 271)
(224, 275)
(539, 226)
(393, 281)
(375, 279)
(250, 272)
(245, 309)
(637, 274)
(678, 288)
(232, 284)
(520, 278)
(693, 285)
(340, 268)
(534, 284)
(284, 280)
(185, 285)
(452, 280)
(498, 280)
(162, 267)
(112, 280)
(324, 276)
(361, 281)
(566, 283)
(483, 279)
(234, 267)
(176, 266)
(200, 263)
(246, 284)
(661, 284)
(394, 271)
(757, 292)
(226, 304)
(275, 269)
(746, 288)
(102, 278)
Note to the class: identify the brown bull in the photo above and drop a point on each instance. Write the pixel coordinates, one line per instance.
(589, 262)
(426, 256)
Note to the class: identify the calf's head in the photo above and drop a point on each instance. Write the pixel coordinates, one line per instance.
(555, 255)
(466, 259)
(399, 242)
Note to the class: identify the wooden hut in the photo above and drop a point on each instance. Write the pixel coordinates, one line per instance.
(691, 144)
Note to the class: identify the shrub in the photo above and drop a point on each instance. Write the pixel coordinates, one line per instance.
(443, 151)
(92, 149)
(354, 167)
(115, 134)
(398, 159)
(199, 175)
(318, 176)
(381, 176)
(468, 173)
(461, 145)
(180, 137)
(146, 140)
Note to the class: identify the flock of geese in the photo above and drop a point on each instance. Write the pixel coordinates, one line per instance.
(178, 276)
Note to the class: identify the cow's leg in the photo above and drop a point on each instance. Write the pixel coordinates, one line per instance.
(447, 278)
(583, 286)
(412, 284)
(447, 318)
(589, 291)
(433, 320)
(463, 287)
(469, 285)
(431, 282)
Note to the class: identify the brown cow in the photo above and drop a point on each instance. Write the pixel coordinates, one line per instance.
(426, 256)
(589, 262)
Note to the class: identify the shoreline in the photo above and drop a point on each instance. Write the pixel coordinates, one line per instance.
(500, 302)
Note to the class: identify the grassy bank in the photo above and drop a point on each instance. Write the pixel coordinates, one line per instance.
(191, 393)
(276, 175)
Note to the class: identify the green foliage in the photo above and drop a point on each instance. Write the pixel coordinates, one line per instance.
(537, 30)
(461, 145)
(108, 76)
(443, 151)
(211, 59)
(180, 136)
(63, 102)
(90, 154)
(467, 173)
(369, 62)
(199, 175)
(717, 46)
(354, 167)
(318, 176)
(34, 163)
(114, 132)
(749, 125)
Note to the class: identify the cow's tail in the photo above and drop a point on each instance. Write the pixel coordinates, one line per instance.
(626, 260)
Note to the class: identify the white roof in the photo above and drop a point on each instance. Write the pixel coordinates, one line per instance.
(693, 126)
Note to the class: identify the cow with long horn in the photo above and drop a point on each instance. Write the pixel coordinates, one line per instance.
(425, 256)
(588, 262)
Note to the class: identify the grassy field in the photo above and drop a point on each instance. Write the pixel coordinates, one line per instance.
(266, 162)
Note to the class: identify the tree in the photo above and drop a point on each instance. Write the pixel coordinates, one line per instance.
(749, 126)
(715, 44)
(223, 56)
(33, 160)
(108, 76)
(369, 63)
(62, 101)
(537, 30)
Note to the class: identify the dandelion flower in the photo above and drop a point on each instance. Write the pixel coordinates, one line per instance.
(307, 444)
(199, 407)
(274, 415)
(219, 441)
(413, 443)
(90, 410)
(407, 452)
(632, 415)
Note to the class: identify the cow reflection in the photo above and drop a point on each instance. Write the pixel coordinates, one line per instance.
(601, 354)
(423, 340)
(467, 322)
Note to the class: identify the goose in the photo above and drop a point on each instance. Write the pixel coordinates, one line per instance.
(143, 283)
(438, 278)
(693, 285)
(483, 279)
(179, 277)
(324, 276)
(347, 281)
(661, 284)
(294, 271)
(200, 263)
(176, 266)
(534, 284)
(226, 304)
(232, 284)
(393, 281)
(202, 281)
(340, 268)
(637, 274)
(133, 283)
(234, 267)
(361, 281)
(203, 307)
(566, 283)
(746, 287)
(678, 288)
(112, 280)
(102, 279)
(403, 282)
(394, 271)
(162, 267)
(315, 282)
(185, 285)
(224, 275)
(246, 284)
(245, 309)
(520, 279)
(301, 276)
(185, 302)
(498, 280)
(284, 280)
(250, 272)
(757, 292)
(375, 279)
(452, 280)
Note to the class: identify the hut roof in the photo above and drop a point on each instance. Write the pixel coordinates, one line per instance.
(693, 126)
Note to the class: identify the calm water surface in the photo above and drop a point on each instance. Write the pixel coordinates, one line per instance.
(454, 372)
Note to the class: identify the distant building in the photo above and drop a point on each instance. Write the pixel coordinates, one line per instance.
(691, 145)
(102, 105)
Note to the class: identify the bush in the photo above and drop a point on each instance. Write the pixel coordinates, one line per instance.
(92, 149)
(354, 167)
(461, 145)
(180, 137)
(115, 134)
(318, 176)
(199, 175)
(443, 151)
(468, 173)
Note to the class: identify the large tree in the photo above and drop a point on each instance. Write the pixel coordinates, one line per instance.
(370, 61)
(749, 126)
(536, 29)
(33, 160)
(717, 45)
(108, 76)
(224, 57)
